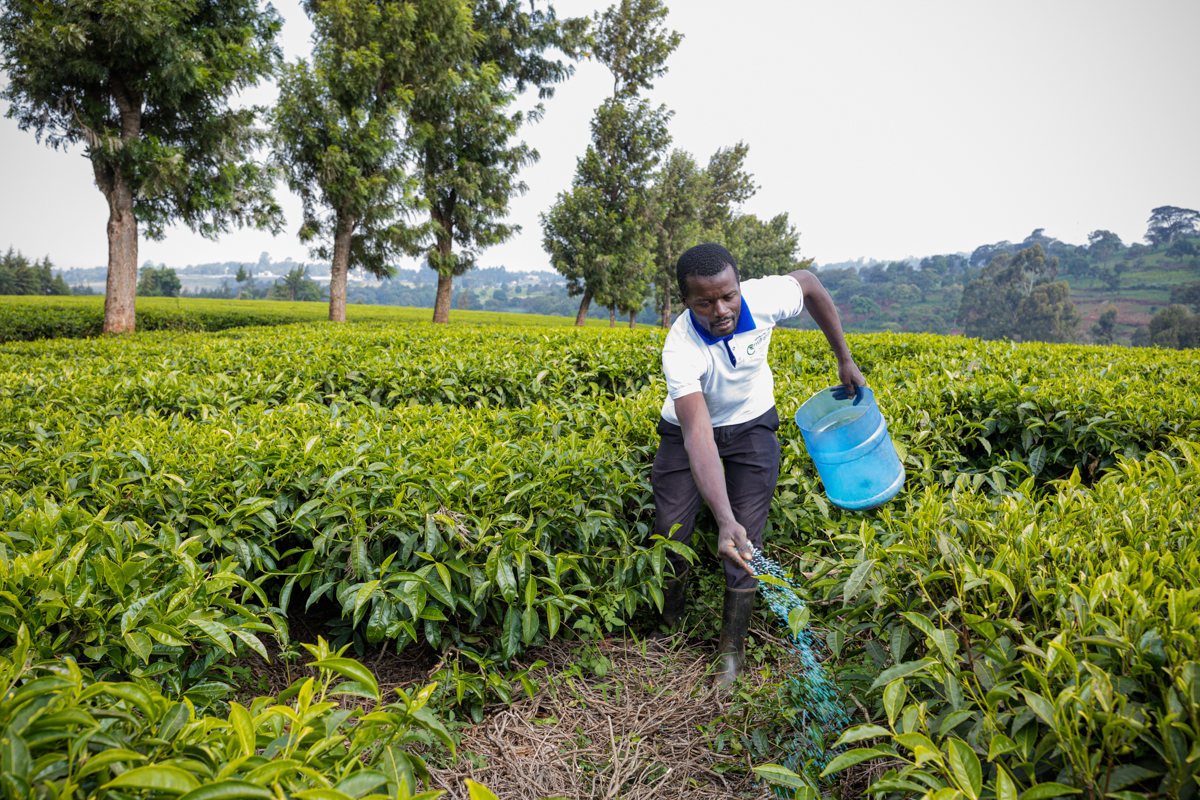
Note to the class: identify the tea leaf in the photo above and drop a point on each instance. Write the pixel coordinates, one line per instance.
(901, 671)
(858, 578)
(1042, 791)
(159, 778)
(964, 765)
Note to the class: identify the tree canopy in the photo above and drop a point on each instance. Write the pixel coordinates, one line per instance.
(678, 199)
(1104, 245)
(158, 282)
(1017, 297)
(19, 275)
(765, 248)
(1168, 223)
(337, 125)
(1187, 294)
(629, 138)
(462, 137)
(631, 39)
(145, 88)
(1173, 328)
(1105, 329)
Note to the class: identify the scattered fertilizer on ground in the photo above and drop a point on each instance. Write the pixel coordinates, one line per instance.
(817, 711)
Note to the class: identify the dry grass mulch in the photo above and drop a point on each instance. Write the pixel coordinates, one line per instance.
(637, 732)
(643, 730)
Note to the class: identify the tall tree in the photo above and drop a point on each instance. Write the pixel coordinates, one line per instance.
(730, 185)
(1105, 329)
(629, 137)
(158, 282)
(294, 283)
(1016, 297)
(145, 87)
(765, 248)
(19, 276)
(337, 125)
(1167, 223)
(1103, 245)
(678, 198)
(1172, 327)
(462, 138)
(633, 42)
(983, 255)
(48, 282)
(574, 233)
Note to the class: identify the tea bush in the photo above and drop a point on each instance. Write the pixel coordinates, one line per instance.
(31, 317)
(132, 600)
(483, 490)
(67, 734)
(1038, 644)
(490, 528)
(199, 375)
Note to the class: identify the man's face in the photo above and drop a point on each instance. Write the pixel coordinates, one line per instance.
(716, 301)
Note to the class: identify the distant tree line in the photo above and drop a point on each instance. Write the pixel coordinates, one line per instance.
(296, 285)
(1020, 291)
(1017, 297)
(19, 275)
(900, 295)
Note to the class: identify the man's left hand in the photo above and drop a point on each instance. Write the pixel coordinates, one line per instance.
(850, 376)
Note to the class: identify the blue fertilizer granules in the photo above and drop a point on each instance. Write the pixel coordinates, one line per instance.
(817, 712)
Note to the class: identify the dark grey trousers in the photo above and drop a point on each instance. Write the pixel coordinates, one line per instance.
(750, 455)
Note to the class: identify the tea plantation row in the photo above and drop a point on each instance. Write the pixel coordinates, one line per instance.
(172, 497)
(32, 317)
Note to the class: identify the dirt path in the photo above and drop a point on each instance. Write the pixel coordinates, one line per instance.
(637, 732)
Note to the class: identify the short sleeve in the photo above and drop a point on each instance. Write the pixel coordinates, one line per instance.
(779, 297)
(683, 366)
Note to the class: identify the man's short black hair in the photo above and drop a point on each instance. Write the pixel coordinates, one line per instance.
(703, 260)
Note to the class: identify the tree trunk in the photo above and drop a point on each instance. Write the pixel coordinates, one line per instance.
(339, 269)
(441, 306)
(444, 266)
(120, 289)
(631, 317)
(581, 314)
(666, 311)
(612, 316)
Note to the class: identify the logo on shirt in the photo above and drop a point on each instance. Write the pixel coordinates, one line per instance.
(754, 345)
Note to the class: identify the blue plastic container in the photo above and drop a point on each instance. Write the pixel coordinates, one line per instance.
(848, 441)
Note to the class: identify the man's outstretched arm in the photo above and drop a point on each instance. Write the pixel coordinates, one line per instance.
(819, 305)
(732, 544)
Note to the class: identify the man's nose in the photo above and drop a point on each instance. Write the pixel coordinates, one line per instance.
(722, 308)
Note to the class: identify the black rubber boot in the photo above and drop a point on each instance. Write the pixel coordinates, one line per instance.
(735, 621)
(674, 600)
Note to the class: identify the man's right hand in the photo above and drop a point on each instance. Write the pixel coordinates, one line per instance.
(705, 460)
(734, 547)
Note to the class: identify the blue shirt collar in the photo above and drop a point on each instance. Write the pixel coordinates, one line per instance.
(745, 323)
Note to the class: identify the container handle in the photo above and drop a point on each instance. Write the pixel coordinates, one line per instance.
(839, 393)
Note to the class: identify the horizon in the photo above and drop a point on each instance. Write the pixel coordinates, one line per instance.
(908, 131)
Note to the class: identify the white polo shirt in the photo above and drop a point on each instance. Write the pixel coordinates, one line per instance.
(732, 371)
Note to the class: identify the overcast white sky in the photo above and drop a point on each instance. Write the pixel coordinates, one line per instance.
(884, 129)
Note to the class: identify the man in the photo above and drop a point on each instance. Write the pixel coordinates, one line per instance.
(719, 421)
